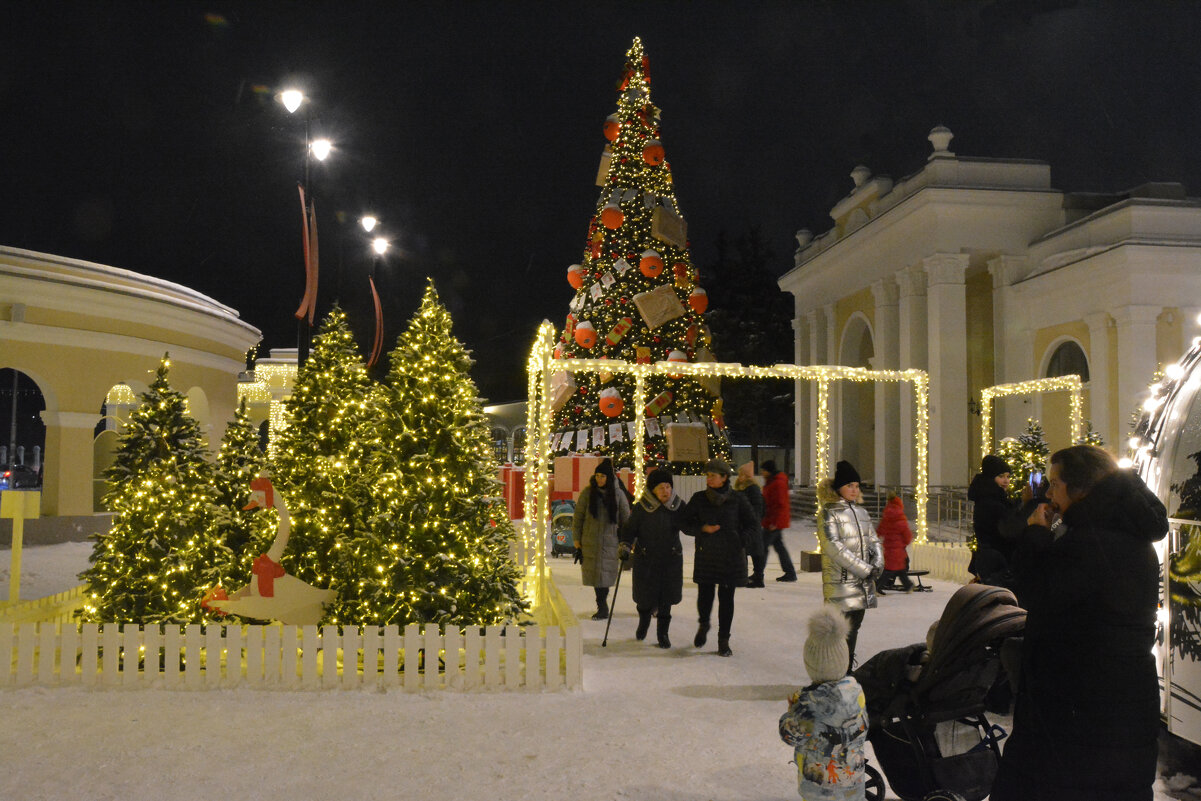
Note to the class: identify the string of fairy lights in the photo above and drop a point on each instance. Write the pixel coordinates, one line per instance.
(1064, 383)
(540, 420)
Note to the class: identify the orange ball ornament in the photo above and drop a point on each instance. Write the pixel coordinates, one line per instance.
(651, 263)
(575, 276)
(676, 356)
(611, 403)
(612, 127)
(653, 153)
(612, 216)
(699, 300)
(585, 335)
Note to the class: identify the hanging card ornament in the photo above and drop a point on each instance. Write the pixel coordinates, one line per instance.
(629, 195)
(631, 428)
(652, 427)
(659, 306)
(699, 300)
(581, 441)
(615, 432)
(596, 290)
(669, 227)
(598, 437)
(622, 266)
(649, 199)
(607, 280)
(618, 331)
(585, 334)
(575, 276)
(555, 440)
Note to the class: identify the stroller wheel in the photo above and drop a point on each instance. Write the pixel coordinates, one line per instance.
(942, 795)
(873, 786)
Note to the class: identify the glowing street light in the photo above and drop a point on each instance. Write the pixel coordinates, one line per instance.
(368, 222)
(321, 148)
(291, 98)
(379, 245)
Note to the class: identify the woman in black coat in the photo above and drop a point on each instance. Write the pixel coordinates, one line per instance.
(722, 523)
(652, 534)
(992, 505)
(1087, 713)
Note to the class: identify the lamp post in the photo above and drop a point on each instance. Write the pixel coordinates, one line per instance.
(380, 246)
(293, 100)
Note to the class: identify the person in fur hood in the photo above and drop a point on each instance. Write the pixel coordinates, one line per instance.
(852, 558)
(652, 537)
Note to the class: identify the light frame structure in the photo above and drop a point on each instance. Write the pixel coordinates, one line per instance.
(539, 420)
(1063, 383)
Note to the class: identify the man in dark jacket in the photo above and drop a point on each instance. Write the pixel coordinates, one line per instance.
(722, 523)
(652, 535)
(988, 491)
(1087, 713)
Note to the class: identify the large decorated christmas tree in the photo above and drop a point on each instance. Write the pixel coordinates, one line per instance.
(438, 549)
(638, 300)
(162, 553)
(321, 463)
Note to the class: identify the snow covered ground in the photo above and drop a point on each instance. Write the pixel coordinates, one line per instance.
(683, 724)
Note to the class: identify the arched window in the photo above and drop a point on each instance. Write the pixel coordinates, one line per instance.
(1068, 359)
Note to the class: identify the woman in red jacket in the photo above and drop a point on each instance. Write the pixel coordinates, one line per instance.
(895, 534)
(776, 516)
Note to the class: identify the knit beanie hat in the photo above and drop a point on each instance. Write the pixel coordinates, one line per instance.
(844, 474)
(826, 652)
(660, 475)
(769, 466)
(605, 466)
(718, 466)
(993, 466)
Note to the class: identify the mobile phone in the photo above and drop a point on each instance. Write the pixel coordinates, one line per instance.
(1036, 479)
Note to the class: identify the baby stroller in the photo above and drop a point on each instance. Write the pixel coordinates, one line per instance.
(929, 733)
(561, 516)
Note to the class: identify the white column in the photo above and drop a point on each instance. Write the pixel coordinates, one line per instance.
(947, 341)
(911, 354)
(887, 394)
(830, 315)
(1137, 360)
(817, 355)
(802, 425)
(1099, 378)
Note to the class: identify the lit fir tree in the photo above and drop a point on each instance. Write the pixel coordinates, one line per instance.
(160, 556)
(439, 549)
(246, 533)
(321, 460)
(1025, 455)
(637, 297)
(1091, 437)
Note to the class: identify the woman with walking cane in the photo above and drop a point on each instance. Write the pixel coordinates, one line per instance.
(652, 535)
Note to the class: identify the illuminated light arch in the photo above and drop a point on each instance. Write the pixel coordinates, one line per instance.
(541, 365)
(1063, 383)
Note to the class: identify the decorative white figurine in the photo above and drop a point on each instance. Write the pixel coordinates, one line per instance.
(273, 594)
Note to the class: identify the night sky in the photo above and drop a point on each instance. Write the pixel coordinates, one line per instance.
(145, 136)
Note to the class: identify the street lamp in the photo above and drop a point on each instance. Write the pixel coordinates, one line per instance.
(379, 245)
(368, 222)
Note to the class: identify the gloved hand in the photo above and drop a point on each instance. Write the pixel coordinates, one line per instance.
(577, 556)
(623, 551)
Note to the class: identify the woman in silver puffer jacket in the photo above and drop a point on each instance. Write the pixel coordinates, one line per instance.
(852, 558)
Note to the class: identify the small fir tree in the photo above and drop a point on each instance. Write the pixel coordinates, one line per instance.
(439, 547)
(637, 297)
(322, 457)
(245, 533)
(1025, 455)
(161, 555)
(1090, 436)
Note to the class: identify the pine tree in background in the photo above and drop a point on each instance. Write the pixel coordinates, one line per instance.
(1091, 437)
(160, 556)
(1025, 455)
(321, 463)
(439, 548)
(245, 533)
(637, 297)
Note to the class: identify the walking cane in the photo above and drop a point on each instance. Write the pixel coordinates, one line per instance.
(616, 587)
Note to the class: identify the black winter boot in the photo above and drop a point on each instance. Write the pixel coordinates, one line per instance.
(663, 625)
(723, 645)
(702, 634)
(644, 624)
(602, 603)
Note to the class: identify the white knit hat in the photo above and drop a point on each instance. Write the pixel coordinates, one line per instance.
(826, 652)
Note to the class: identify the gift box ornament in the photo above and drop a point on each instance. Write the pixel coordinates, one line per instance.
(659, 306)
(642, 355)
(687, 442)
(619, 330)
(659, 403)
(573, 472)
(562, 387)
(669, 227)
(710, 383)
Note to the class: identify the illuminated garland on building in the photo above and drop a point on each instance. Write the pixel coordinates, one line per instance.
(1068, 383)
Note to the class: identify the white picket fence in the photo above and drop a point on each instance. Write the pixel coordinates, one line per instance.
(198, 657)
(944, 560)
